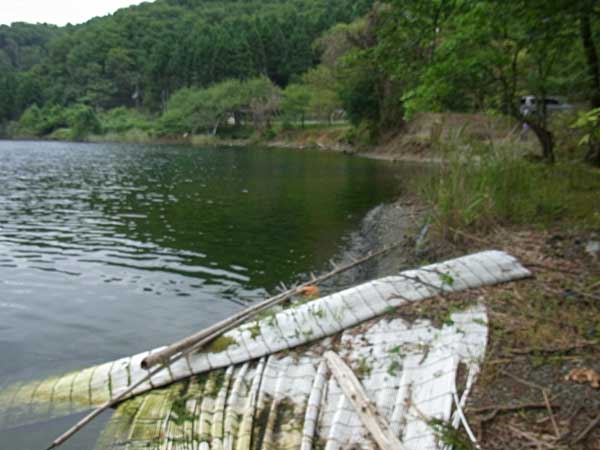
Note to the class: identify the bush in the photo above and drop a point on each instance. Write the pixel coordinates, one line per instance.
(121, 120)
(82, 120)
(39, 122)
(589, 123)
(360, 136)
(61, 134)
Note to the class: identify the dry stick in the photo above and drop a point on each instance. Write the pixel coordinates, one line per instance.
(166, 354)
(583, 294)
(527, 351)
(551, 413)
(531, 438)
(544, 393)
(205, 337)
(521, 380)
(594, 285)
(589, 428)
(367, 412)
(508, 408)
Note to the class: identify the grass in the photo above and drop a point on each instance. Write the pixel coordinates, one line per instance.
(478, 192)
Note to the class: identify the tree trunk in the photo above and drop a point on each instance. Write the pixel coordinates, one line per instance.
(593, 155)
(216, 127)
(546, 140)
(590, 53)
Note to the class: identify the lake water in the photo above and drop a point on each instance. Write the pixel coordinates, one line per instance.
(107, 250)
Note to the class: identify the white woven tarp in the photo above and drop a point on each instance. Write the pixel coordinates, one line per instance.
(291, 401)
(297, 326)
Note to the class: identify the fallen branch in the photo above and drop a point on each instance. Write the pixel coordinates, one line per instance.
(508, 408)
(527, 351)
(191, 344)
(369, 416)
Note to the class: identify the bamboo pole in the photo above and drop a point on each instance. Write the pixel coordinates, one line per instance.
(192, 343)
(248, 313)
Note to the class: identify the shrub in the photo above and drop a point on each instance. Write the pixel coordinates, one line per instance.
(38, 122)
(121, 120)
(589, 123)
(82, 120)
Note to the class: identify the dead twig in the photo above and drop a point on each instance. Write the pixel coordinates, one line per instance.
(508, 408)
(530, 437)
(521, 380)
(551, 413)
(561, 293)
(527, 351)
(587, 430)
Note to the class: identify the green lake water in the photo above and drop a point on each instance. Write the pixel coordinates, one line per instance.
(107, 250)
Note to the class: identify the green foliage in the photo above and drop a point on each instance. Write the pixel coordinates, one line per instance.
(141, 55)
(589, 123)
(80, 120)
(324, 101)
(121, 120)
(295, 102)
(410, 56)
(23, 45)
(450, 436)
(37, 121)
(193, 110)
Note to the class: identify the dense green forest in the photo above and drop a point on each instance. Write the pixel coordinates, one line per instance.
(141, 55)
(175, 67)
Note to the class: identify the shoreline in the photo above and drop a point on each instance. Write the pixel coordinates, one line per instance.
(344, 149)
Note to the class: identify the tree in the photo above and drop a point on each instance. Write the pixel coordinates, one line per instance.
(8, 87)
(193, 110)
(142, 55)
(295, 102)
(586, 13)
(262, 99)
(482, 53)
(121, 68)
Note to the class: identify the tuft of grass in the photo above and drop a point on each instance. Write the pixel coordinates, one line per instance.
(479, 192)
(449, 436)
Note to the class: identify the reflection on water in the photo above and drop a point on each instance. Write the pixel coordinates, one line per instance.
(107, 250)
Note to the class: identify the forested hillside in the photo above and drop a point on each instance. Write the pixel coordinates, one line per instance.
(141, 55)
(184, 67)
